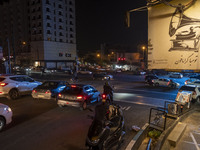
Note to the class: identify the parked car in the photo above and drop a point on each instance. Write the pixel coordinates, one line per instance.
(49, 89)
(12, 86)
(78, 95)
(165, 82)
(5, 115)
(84, 72)
(176, 75)
(191, 81)
(102, 76)
(194, 89)
(148, 78)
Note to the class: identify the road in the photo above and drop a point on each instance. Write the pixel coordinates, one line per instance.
(41, 124)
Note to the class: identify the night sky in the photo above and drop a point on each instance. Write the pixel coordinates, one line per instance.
(103, 21)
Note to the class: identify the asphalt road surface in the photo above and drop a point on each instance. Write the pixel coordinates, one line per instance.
(41, 124)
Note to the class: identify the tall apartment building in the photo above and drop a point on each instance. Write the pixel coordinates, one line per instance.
(39, 32)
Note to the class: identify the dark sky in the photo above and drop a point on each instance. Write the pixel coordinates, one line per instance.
(103, 21)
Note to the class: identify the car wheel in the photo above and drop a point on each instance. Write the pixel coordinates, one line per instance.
(13, 94)
(198, 99)
(60, 106)
(2, 123)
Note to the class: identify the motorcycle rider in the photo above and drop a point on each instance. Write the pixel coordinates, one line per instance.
(108, 90)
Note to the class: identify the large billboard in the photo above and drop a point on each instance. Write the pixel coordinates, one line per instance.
(174, 35)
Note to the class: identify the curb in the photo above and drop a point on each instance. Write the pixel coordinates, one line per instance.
(138, 138)
(166, 133)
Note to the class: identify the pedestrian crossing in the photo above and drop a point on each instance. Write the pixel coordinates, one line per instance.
(126, 108)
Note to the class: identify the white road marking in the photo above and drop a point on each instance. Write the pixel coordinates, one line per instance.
(128, 108)
(194, 140)
(147, 91)
(138, 103)
(190, 142)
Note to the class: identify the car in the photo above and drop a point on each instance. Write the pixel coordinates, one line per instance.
(48, 89)
(84, 72)
(5, 115)
(12, 86)
(102, 76)
(148, 78)
(176, 75)
(194, 89)
(78, 95)
(165, 82)
(191, 81)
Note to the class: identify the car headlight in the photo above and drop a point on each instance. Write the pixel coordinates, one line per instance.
(8, 109)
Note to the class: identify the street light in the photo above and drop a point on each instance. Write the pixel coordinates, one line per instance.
(98, 55)
(144, 57)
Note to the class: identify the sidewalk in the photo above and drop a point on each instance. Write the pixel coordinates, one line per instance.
(191, 137)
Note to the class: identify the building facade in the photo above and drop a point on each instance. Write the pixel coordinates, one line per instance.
(39, 32)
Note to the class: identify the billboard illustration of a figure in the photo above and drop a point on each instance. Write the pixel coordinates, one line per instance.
(184, 32)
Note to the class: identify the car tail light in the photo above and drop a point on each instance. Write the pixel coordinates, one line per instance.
(79, 97)
(59, 95)
(34, 91)
(47, 92)
(3, 84)
(73, 86)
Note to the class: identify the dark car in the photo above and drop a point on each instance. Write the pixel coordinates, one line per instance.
(78, 95)
(148, 78)
(102, 76)
(49, 89)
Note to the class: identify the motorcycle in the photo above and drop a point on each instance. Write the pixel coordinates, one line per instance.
(108, 134)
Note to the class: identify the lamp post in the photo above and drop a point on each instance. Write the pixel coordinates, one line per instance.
(144, 56)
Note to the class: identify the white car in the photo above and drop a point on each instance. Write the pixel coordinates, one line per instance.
(191, 81)
(5, 115)
(176, 75)
(165, 82)
(84, 72)
(194, 89)
(12, 86)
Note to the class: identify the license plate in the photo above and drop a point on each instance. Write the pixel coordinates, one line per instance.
(40, 95)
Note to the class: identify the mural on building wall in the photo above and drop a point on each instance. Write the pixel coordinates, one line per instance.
(185, 32)
(179, 49)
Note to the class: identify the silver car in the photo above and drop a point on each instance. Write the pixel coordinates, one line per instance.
(5, 115)
(12, 86)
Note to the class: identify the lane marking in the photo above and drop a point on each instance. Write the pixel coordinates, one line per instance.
(147, 91)
(128, 108)
(190, 142)
(194, 140)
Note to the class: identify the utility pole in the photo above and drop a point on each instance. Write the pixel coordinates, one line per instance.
(9, 64)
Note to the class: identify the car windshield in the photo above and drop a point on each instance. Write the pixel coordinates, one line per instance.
(72, 90)
(46, 84)
(187, 88)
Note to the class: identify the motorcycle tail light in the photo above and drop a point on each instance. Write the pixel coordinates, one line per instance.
(59, 95)
(34, 91)
(104, 96)
(3, 84)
